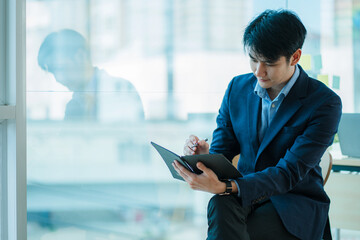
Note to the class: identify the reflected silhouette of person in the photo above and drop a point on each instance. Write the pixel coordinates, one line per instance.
(97, 96)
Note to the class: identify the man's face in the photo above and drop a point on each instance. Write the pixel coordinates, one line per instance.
(66, 73)
(272, 75)
(70, 72)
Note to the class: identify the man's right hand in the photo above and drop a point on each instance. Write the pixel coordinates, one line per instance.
(201, 147)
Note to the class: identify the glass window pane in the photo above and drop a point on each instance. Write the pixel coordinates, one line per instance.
(97, 91)
(104, 78)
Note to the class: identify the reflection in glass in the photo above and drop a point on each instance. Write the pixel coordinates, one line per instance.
(66, 55)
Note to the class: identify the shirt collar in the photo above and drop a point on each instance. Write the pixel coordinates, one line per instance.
(261, 92)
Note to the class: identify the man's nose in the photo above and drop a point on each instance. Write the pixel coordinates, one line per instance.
(260, 70)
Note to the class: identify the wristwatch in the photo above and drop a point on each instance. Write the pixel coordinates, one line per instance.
(228, 189)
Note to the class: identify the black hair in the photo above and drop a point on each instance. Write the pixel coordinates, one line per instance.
(63, 44)
(275, 33)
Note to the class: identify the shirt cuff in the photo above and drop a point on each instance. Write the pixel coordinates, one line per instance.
(237, 184)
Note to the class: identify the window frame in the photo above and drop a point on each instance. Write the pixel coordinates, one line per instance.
(13, 219)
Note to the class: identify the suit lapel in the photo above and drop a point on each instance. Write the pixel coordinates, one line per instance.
(289, 106)
(253, 112)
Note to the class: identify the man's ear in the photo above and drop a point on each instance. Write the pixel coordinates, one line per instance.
(295, 58)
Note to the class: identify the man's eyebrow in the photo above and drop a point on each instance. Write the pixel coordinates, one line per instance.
(271, 61)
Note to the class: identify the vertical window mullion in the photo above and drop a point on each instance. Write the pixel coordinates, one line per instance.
(3, 167)
(13, 127)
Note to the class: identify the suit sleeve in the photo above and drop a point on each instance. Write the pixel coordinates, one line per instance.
(299, 159)
(224, 140)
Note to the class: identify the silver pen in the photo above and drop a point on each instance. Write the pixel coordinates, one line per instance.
(197, 144)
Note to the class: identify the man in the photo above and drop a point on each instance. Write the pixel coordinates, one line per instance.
(280, 121)
(97, 96)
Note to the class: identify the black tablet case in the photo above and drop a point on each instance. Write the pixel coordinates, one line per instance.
(218, 163)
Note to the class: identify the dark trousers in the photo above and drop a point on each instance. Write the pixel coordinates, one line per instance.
(228, 220)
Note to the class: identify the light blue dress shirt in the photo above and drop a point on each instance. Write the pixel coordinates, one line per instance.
(269, 108)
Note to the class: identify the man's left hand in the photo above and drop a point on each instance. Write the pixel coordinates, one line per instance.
(207, 181)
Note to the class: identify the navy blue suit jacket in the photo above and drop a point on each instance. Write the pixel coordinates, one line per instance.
(284, 167)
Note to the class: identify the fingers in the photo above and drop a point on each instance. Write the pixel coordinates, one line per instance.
(189, 143)
(189, 177)
(202, 148)
(203, 144)
(194, 139)
(184, 173)
(207, 181)
(187, 147)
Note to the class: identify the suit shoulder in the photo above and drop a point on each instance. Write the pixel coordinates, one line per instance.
(108, 82)
(319, 88)
(244, 79)
(245, 82)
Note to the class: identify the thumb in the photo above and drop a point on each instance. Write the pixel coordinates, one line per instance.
(202, 167)
(207, 171)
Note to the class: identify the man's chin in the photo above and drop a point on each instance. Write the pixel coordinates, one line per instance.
(264, 84)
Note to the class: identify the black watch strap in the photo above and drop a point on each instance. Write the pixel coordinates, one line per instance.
(228, 189)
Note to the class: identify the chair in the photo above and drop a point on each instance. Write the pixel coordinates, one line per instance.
(326, 165)
(235, 160)
(326, 162)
